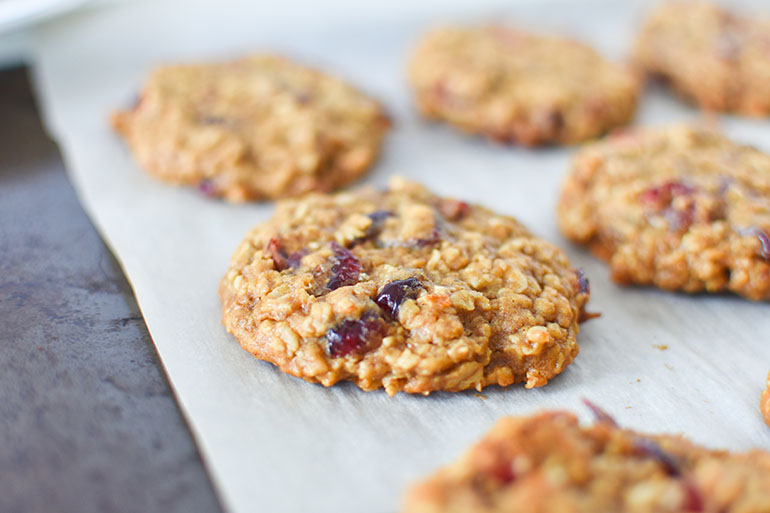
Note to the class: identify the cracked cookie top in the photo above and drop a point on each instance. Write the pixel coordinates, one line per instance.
(680, 208)
(519, 87)
(549, 463)
(261, 127)
(405, 290)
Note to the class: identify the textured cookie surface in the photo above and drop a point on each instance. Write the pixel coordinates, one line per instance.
(520, 87)
(402, 289)
(719, 59)
(549, 463)
(257, 128)
(679, 208)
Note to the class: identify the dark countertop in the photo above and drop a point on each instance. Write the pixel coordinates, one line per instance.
(87, 420)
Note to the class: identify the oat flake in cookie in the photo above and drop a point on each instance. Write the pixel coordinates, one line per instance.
(679, 208)
(548, 463)
(519, 87)
(405, 290)
(261, 127)
(719, 59)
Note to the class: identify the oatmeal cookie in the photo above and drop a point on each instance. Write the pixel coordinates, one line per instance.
(547, 463)
(519, 87)
(405, 290)
(260, 127)
(719, 59)
(680, 208)
(764, 402)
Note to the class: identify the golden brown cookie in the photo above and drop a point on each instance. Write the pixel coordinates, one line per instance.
(548, 463)
(519, 87)
(261, 127)
(402, 289)
(679, 208)
(717, 58)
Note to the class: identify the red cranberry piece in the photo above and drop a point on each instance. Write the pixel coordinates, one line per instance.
(662, 195)
(373, 231)
(353, 335)
(599, 414)
(660, 199)
(764, 242)
(208, 188)
(346, 269)
(452, 209)
(394, 293)
(693, 500)
(280, 260)
(503, 472)
(650, 448)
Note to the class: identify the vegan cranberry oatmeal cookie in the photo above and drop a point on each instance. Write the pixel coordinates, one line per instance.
(549, 463)
(679, 208)
(257, 128)
(402, 289)
(519, 87)
(719, 59)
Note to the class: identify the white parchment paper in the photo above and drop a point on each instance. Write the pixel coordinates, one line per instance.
(275, 443)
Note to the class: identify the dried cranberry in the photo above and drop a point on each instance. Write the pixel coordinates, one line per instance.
(693, 500)
(373, 231)
(280, 260)
(650, 448)
(394, 293)
(764, 242)
(379, 216)
(434, 238)
(353, 335)
(345, 270)
(452, 209)
(503, 472)
(661, 196)
(660, 200)
(600, 415)
(550, 121)
(208, 188)
(584, 286)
